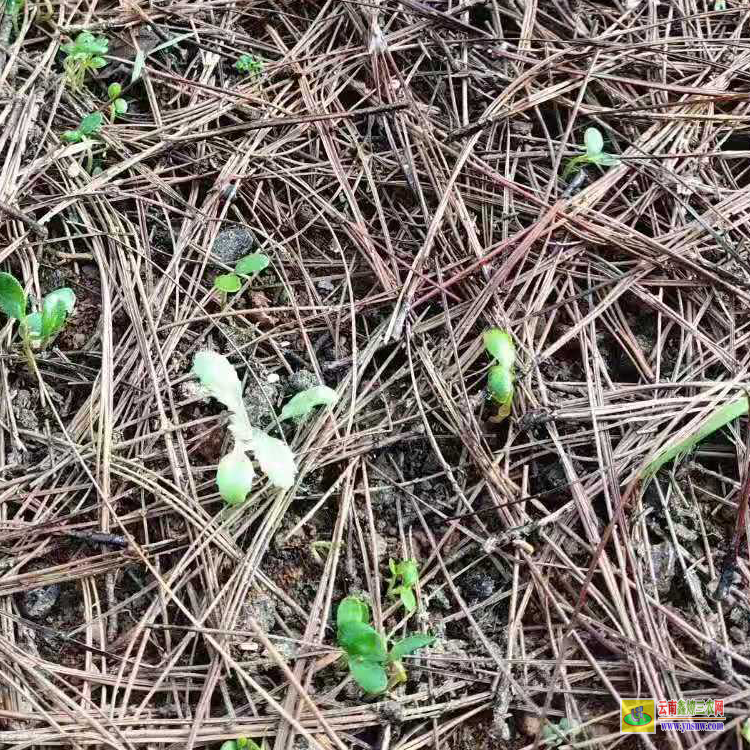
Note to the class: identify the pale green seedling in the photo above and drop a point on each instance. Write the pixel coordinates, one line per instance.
(303, 403)
(117, 105)
(404, 577)
(249, 64)
(229, 283)
(241, 743)
(235, 473)
(593, 142)
(501, 377)
(84, 53)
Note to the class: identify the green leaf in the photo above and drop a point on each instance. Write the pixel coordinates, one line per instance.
(219, 378)
(408, 599)
(97, 62)
(113, 91)
(64, 295)
(593, 141)
(352, 609)
(500, 384)
(53, 318)
(607, 160)
(229, 745)
(409, 645)
(745, 730)
(408, 571)
(720, 417)
(91, 123)
(361, 639)
(12, 297)
(500, 345)
(72, 136)
(33, 323)
(369, 675)
(234, 477)
(121, 106)
(253, 263)
(275, 458)
(228, 282)
(303, 403)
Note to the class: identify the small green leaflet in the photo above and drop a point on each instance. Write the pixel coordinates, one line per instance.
(228, 282)
(408, 599)
(500, 383)
(361, 639)
(121, 106)
(593, 141)
(234, 477)
(500, 345)
(369, 675)
(12, 297)
(407, 569)
(352, 609)
(409, 645)
(253, 263)
(91, 123)
(113, 91)
(720, 417)
(275, 458)
(303, 403)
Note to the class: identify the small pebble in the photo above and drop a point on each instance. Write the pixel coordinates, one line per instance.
(39, 602)
(529, 725)
(232, 243)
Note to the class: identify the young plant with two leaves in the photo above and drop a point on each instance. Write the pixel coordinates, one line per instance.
(593, 142)
(373, 667)
(404, 577)
(229, 283)
(235, 473)
(501, 377)
(37, 328)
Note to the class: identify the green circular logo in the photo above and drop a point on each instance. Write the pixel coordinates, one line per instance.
(637, 722)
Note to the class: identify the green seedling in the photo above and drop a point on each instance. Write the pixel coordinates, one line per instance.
(229, 283)
(554, 735)
(38, 328)
(368, 658)
(90, 125)
(303, 403)
(241, 743)
(593, 142)
(117, 105)
(234, 476)
(745, 730)
(500, 380)
(84, 53)
(249, 64)
(404, 577)
(715, 421)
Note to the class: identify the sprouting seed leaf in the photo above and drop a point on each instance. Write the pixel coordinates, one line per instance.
(720, 417)
(408, 571)
(352, 609)
(234, 477)
(91, 123)
(229, 745)
(121, 106)
(113, 91)
(53, 317)
(500, 384)
(72, 136)
(408, 599)
(228, 282)
(98, 62)
(253, 263)
(370, 676)
(219, 378)
(275, 458)
(303, 403)
(63, 295)
(361, 639)
(593, 141)
(12, 297)
(409, 645)
(500, 345)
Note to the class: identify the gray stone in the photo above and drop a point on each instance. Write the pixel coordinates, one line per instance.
(39, 602)
(664, 559)
(232, 243)
(301, 380)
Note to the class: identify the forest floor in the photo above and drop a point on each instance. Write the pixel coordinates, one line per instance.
(402, 165)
